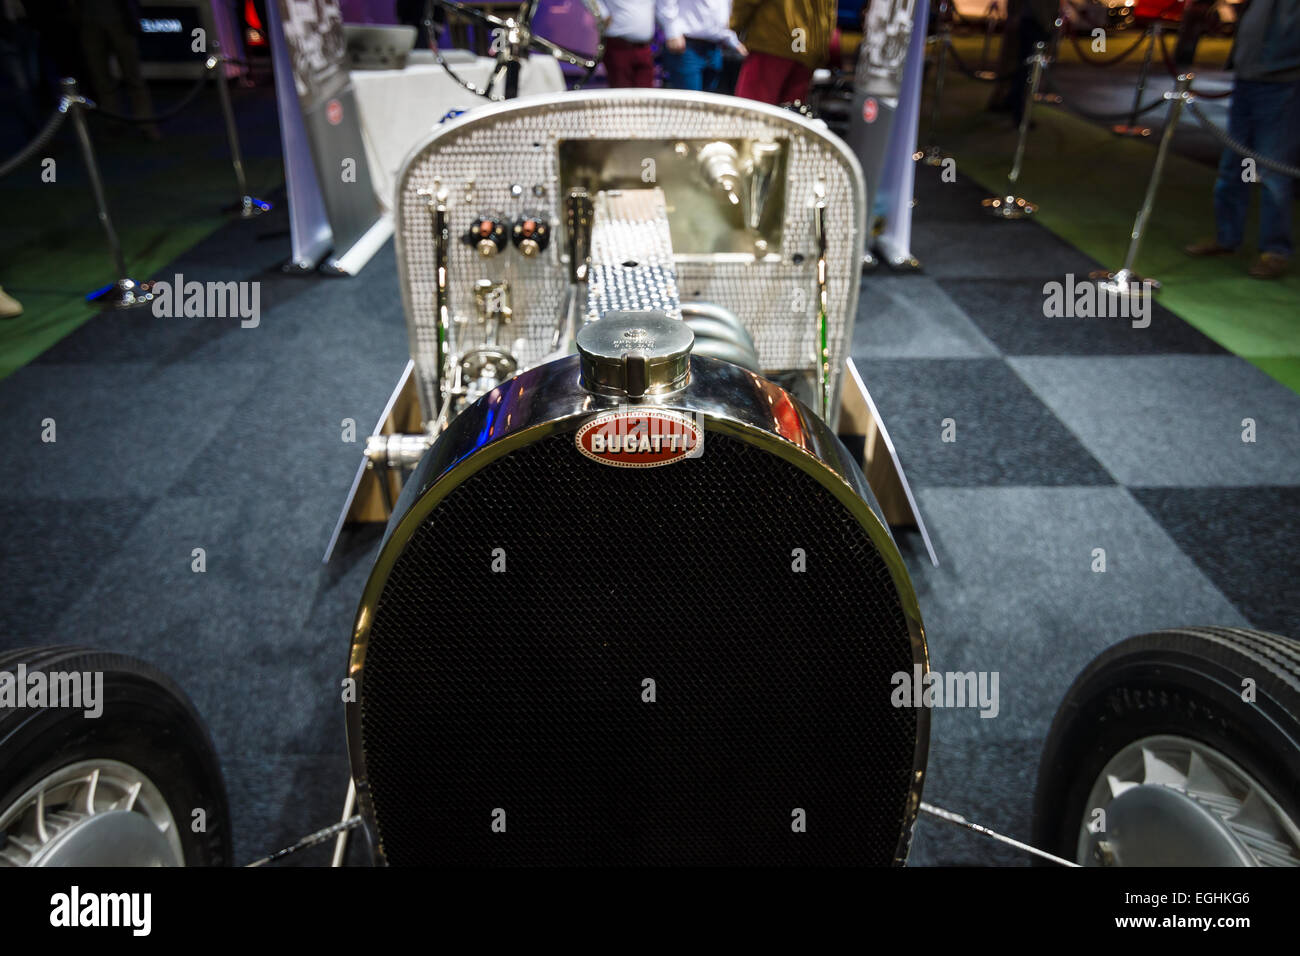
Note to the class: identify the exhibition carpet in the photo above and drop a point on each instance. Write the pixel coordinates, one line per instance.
(163, 198)
(1071, 435)
(1089, 185)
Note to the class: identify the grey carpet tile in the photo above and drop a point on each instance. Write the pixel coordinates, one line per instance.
(1011, 315)
(944, 249)
(1244, 540)
(987, 779)
(50, 548)
(1004, 435)
(1174, 420)
(912, 317)
(121, 430)
(1016, 592)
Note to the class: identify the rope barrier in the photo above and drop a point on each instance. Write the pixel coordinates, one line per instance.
(1226, 139)
(974, 74)
(1078, 48)
(1173, 72)
(41, 141)
(1104, 117)
(165, 115)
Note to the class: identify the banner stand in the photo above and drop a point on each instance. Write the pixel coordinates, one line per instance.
(334, 216)
(898, 177)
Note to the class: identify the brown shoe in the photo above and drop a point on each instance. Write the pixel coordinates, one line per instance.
(1270, 265)
(1208, 248)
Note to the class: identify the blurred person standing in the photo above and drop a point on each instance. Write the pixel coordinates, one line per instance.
(20, 61)
(787, 40)
(628, 27)
(695, 32)
(1264, 116)
(109, 28)
(1037, 24)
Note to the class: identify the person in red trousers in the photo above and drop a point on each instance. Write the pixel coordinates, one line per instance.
(787, 40)
(628, 26)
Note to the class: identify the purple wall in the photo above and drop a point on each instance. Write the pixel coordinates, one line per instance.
(562, 21)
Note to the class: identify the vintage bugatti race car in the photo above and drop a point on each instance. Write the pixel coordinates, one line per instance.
(638, 600)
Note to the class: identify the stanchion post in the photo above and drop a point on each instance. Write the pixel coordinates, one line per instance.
(1053, 54)
(247, 206)
(1126, 281)
(932, 155)
(125, 293)
(1011, 206)
(1131, 128)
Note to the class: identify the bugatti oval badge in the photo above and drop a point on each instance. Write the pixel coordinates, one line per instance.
(640, 438)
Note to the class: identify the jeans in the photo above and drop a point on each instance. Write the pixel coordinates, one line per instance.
(1265, 117)
(698, 67)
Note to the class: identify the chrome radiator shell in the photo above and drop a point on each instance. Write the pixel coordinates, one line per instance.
(547, 400)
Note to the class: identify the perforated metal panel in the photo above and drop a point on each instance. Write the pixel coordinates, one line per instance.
(517, 144)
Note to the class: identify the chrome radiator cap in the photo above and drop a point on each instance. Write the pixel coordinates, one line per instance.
(635, 353)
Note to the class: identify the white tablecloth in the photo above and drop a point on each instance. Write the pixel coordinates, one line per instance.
(399, 108)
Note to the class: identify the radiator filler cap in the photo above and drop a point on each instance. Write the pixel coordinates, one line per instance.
(634, 354)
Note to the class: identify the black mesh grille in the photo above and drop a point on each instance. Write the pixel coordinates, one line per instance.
(523, 690)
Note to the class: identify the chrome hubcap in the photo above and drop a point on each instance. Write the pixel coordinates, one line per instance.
(1171, 801)
(92, 813)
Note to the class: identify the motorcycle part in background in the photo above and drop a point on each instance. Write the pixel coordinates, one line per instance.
(687, 696)
(487, 235)
(1177, 748)
(512, 39)
(119, 789)
(531, 235)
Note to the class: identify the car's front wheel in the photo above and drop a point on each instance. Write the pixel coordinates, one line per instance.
(136, 784)
(1177, 748)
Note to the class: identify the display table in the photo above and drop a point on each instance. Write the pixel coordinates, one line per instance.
(399, 108)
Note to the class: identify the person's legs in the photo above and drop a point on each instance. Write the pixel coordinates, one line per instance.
(796, 83)
(710, 67)
(127, 54)
(618, 62)
(1277, 137)
(685, 70)
(96, 84)
(762, 77)
(643, 67)
(1231, 194)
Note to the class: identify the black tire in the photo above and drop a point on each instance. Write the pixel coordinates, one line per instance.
(147, 722)
(1185, 682)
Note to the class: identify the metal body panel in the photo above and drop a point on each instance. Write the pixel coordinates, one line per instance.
(479, 157)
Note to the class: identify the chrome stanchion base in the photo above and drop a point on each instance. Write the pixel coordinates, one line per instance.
(124, 294)
(250, 207)
(1123, 129)
(1123, 282)
(931, 156)
(869, 262)
(1009, 207)
(1053, 98)
(907, 263)
(985, 75)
